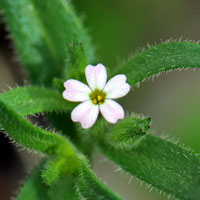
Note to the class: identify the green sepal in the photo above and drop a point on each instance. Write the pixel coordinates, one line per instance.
(127, 132)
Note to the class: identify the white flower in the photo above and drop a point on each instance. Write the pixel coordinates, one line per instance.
(97, 97)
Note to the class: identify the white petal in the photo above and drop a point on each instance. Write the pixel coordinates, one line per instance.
(76, 91)
(96, 76)
(112, 111)
(86, 113)
(117, 87)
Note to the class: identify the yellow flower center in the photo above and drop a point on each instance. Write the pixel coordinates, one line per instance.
(97, 97)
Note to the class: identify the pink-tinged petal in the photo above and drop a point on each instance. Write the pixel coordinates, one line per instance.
(117, 87)
(96, 76)
(86, 113)
(112, 111)
(76, 91)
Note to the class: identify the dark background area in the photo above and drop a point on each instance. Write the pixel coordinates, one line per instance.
(119, 29)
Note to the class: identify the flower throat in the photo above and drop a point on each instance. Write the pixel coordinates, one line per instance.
(97, 97)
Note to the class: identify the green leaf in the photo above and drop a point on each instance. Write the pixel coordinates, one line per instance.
(29, 135)
(160, 163)
(157, 59)
(90, 187)
(32, 100)
(58, 167)
(41, 30)
(35, 189)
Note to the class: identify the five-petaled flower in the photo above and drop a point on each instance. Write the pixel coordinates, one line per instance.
(98, 97)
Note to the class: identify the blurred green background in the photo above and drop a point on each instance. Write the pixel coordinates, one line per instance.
(118, 29)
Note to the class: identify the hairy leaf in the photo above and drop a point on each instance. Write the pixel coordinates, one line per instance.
(164, 57)
(90, 187)
(58, 167)
(35, 189)
(32, 100)
(41, 30)
(18, 102)
(162, 164)
(30, 136)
